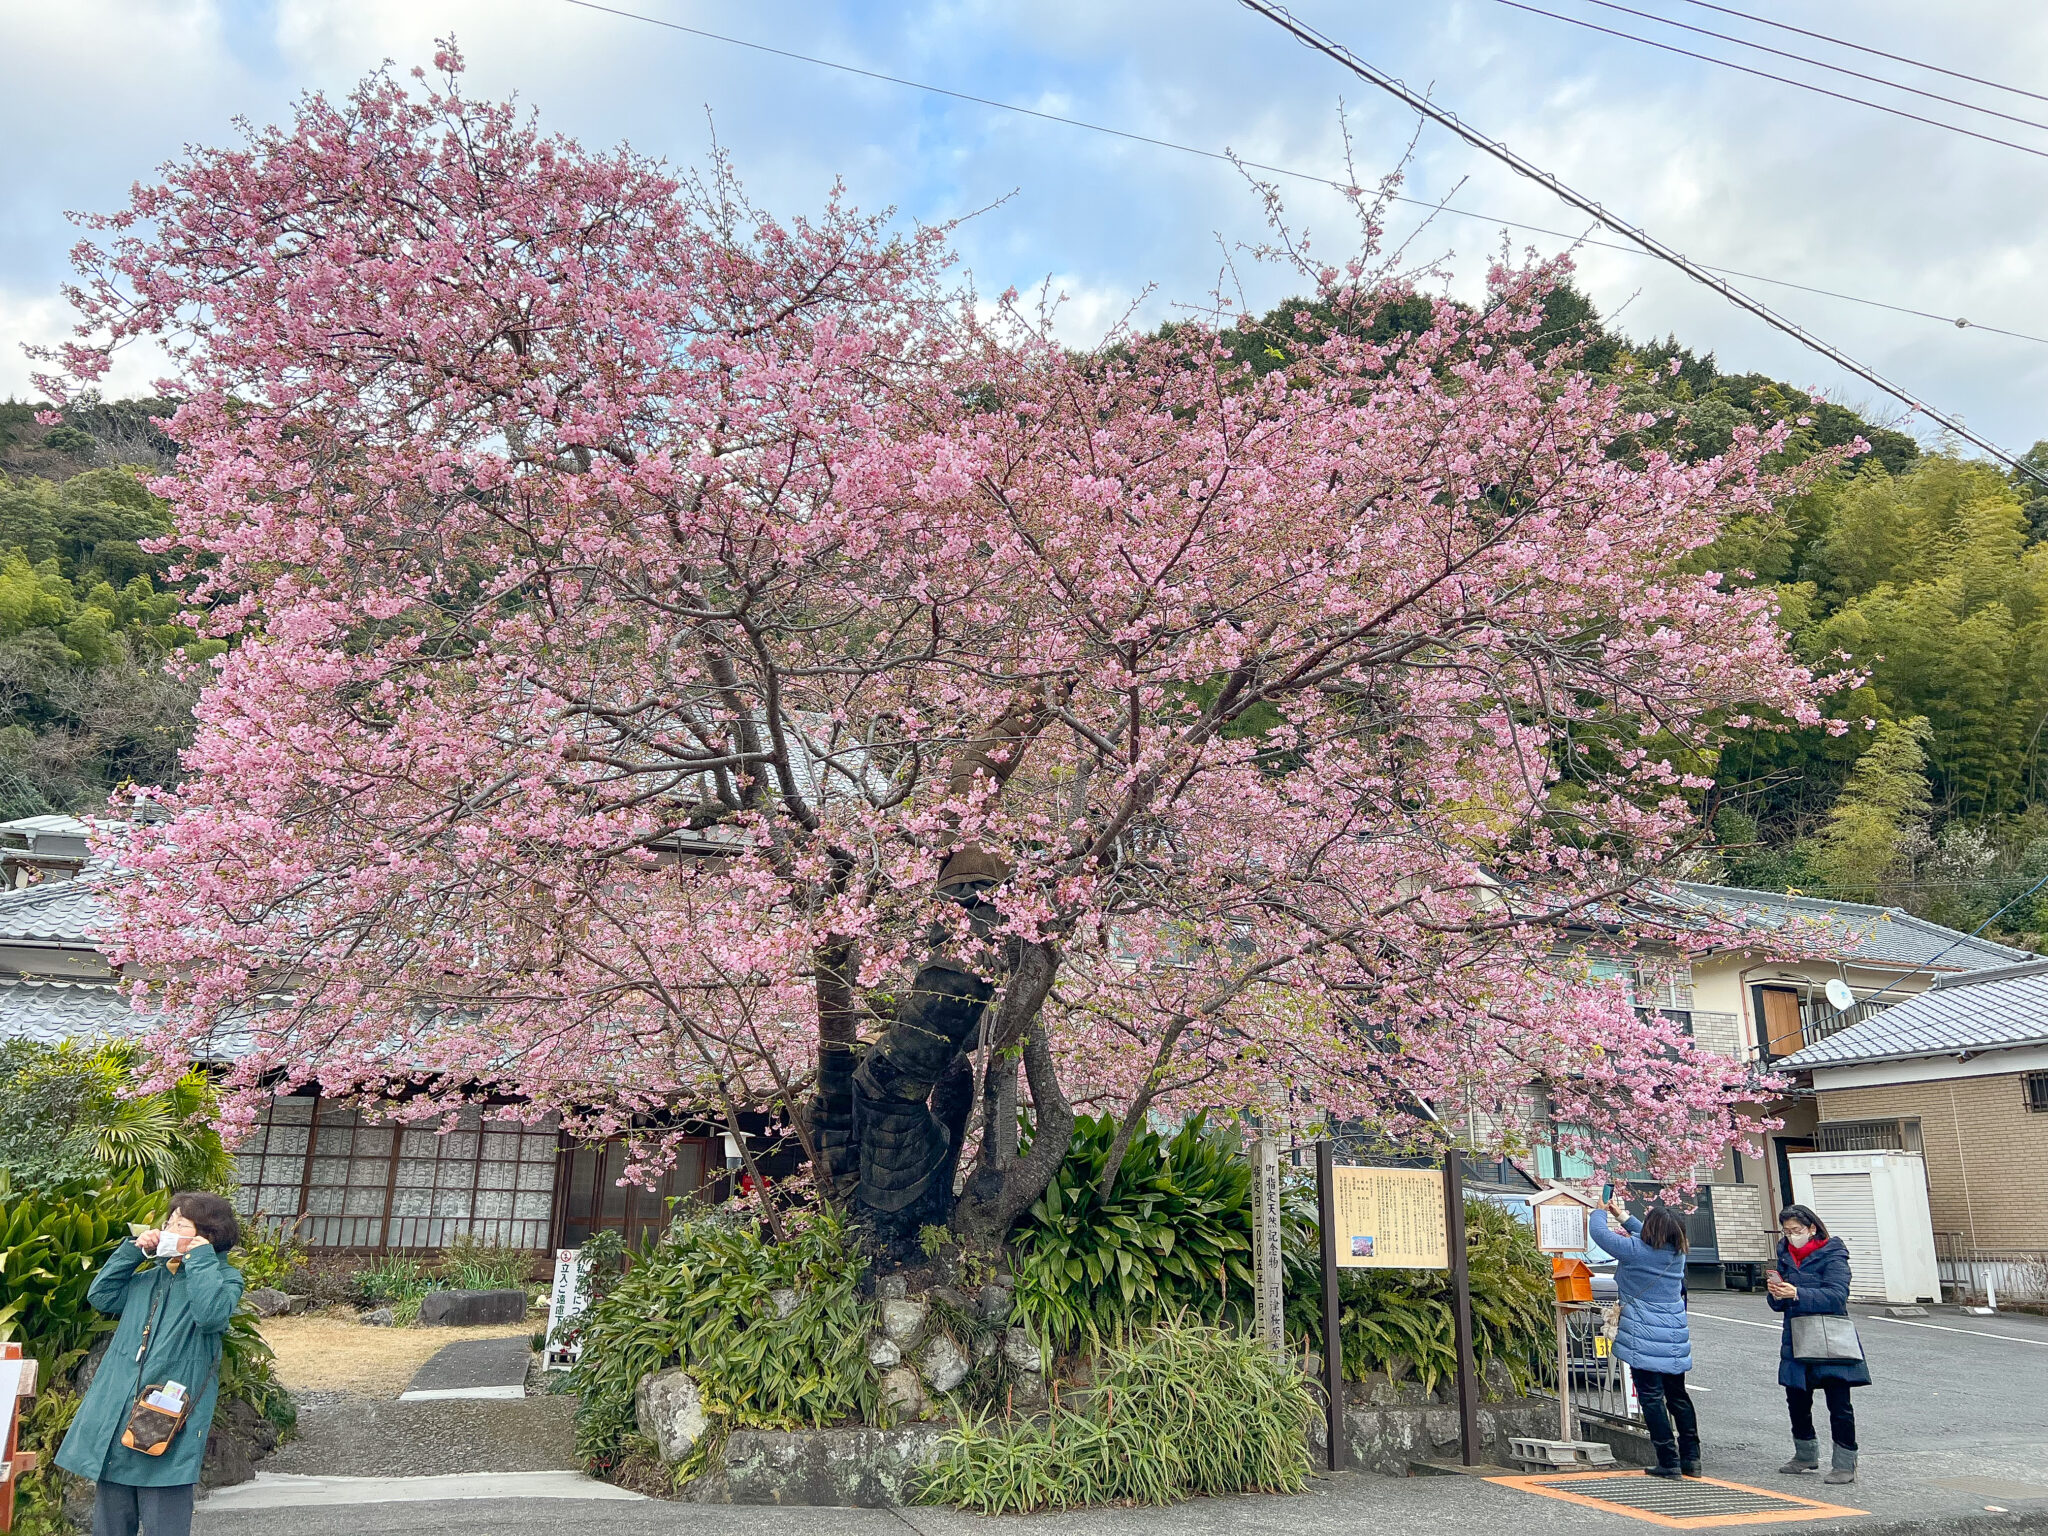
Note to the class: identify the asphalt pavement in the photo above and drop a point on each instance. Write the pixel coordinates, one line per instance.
(1954, 1432)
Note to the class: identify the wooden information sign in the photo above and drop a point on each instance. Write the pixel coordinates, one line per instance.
(1391, 1218)
(1394, 1218)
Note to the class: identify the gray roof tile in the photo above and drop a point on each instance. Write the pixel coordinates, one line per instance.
(50, 1011)
(1976, 1011)
(56, 912)
(1880, 935)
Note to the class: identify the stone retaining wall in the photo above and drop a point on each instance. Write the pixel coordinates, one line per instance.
(873, 1468)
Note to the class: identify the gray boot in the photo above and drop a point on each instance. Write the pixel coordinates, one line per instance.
(1805, 1457)
(1844, 1469)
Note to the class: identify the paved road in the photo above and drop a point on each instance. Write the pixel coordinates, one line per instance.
(1955, 1398)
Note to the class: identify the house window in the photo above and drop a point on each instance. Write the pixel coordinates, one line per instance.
(1780, 1028)
(348, 1181)
(2037, 1091)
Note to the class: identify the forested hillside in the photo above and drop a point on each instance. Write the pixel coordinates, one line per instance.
(1927, 571)
(92, 694)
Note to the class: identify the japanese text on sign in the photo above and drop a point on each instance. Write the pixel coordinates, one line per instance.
(1390, 1218)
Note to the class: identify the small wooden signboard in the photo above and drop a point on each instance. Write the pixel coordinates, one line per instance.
(1560, 1216)
(17, 1386)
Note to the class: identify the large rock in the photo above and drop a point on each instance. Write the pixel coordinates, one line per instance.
(902, 1393)
(903, 1323)
(858, 1468)
(266, 1301)
(467, 1309)
(238, 1438)
(670, 1411)
(378, 1317)
(783, 1301)
(996, 1302)
(883, 1354)
(1020, 1351)
(944, 1367)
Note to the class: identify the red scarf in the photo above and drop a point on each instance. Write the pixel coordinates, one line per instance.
(1805, 1250)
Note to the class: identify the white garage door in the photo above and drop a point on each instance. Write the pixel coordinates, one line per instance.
(1847, 1204)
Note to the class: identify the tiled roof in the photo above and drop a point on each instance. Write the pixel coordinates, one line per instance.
(1981, 1010)
(1880, 935)
(56, 912)
(50, 1011)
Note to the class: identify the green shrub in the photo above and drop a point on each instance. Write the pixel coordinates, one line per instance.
(1177, 1410)
(393, 1279)
(470, 1265)
(68, 1113)
(1173, 1236)
(52, 1243)
(700, 1297)
(248, 1372)
(267, 1254)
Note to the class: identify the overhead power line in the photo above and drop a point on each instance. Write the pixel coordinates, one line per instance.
(1277, 170)
(1764, 74)
(1800, 58)
(1417, 102)
(1879, 53)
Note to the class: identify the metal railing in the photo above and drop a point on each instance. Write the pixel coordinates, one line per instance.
(1600, 1387)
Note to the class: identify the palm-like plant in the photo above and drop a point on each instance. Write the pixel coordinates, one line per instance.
(83, 1098)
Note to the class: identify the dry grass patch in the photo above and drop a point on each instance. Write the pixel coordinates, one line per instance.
(336, 1354)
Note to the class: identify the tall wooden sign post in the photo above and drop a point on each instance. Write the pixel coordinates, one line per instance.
(1461, 1306)
(1396, 1218)
(1268, 1273)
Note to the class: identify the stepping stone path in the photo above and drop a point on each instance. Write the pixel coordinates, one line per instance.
(473, 1368)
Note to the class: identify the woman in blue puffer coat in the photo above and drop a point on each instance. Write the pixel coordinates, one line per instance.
(1649, 1258)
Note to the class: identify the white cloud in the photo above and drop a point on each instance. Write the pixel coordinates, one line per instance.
(1733, 170)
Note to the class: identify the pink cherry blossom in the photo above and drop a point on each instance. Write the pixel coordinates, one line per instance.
(571, 511)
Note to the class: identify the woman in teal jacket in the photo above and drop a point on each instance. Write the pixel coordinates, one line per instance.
(174, 1294)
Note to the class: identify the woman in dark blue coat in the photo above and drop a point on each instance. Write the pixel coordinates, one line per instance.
(1649, 1271)
(1812, 1279)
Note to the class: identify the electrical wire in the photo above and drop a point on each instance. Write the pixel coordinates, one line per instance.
(1975, 933)
(1842, 42)
(1278, 170)
(1309, 37)
(1764, 74)
(1800, 58)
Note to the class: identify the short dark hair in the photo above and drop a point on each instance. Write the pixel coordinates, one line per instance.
(1806, 1216)
(212, 1216)
(1661, 1229)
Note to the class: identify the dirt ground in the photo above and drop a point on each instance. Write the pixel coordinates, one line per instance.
(338, 1354)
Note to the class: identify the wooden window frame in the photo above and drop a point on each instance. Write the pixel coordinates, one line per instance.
(409, 1233)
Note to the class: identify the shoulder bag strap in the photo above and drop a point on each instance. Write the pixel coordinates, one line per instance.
(156, 1303)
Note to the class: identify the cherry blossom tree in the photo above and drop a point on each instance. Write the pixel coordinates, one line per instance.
(691, 658)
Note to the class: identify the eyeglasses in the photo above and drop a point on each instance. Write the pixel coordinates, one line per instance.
(1792, 1230)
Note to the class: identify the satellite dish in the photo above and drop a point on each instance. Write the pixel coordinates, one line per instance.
(1840, 996)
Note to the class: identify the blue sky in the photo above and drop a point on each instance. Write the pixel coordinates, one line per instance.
(1737, 171)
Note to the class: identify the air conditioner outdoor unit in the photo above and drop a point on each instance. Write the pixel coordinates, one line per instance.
(1876, 1203)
